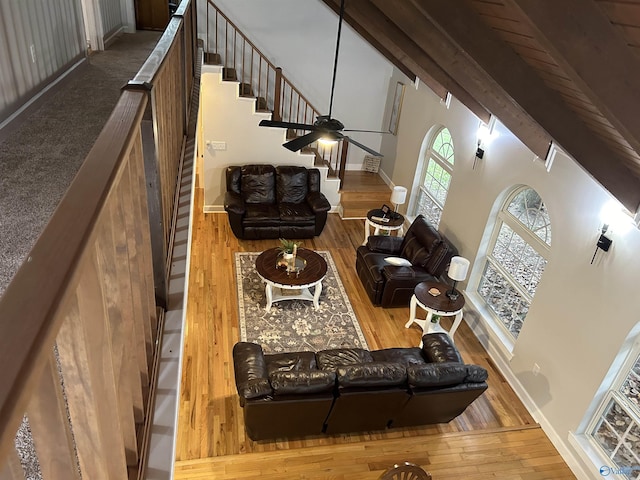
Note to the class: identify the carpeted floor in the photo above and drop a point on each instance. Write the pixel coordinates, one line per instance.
(295, 325)
(40, 157)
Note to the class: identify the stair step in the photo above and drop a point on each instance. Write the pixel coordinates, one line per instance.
(359, 208)
(246, 90)
(229, 74)
(261, 104)
(212, 59)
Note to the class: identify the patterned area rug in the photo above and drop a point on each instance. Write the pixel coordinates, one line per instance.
(294, 325)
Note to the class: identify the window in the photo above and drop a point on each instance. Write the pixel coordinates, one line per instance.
(518, 254)
(616, 428)
(433, 189)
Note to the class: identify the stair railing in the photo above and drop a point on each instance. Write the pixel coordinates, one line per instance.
(259, 77)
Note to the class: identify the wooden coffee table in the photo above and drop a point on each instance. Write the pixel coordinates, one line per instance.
(280, 285)
(439, 305)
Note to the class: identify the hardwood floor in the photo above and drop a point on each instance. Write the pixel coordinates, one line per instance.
(494, 438)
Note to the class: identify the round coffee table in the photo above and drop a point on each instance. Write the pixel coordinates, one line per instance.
(396, 223)
(282, 285)
(439, 305)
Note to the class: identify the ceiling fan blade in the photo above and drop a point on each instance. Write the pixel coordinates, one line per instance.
(363, 147)
(301, 142)
(295, 126)
(364, 131)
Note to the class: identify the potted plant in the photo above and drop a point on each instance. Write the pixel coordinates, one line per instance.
(435, 318)
(288, 246)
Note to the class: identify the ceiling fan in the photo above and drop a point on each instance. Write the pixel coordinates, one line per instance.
(324, 127)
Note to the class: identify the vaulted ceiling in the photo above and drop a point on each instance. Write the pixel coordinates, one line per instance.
(561, 71)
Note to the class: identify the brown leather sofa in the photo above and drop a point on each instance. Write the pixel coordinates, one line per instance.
(352, 389)
(428, 251)
(263, 201)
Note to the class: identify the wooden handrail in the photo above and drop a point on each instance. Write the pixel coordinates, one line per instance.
(85, 285)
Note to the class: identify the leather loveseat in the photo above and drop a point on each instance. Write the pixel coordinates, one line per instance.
(352, 389)
(264, 201)
(427, 250)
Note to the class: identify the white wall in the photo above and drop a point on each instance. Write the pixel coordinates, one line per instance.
(581, 313)
(228, 118)
(300, 37)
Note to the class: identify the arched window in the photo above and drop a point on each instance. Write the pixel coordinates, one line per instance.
(516, 258)
(436, 177)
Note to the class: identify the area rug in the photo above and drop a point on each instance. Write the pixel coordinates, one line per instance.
(294, 325)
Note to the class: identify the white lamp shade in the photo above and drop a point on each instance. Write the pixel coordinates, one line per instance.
(399, 195)
(458, 268)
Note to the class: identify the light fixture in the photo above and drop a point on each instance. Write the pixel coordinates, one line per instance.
(328, 141)
(398, 197)
(603, 243)
(484, 136)
(458, 269)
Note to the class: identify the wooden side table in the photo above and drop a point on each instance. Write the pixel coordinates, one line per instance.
(438, 305)
(394, 224)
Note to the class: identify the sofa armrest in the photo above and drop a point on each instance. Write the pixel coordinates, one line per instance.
(250, 368)
(318, 202)
(234, 203)
(384, 244)
(439, 348)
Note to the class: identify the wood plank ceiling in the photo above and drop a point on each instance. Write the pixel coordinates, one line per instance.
(564, 71)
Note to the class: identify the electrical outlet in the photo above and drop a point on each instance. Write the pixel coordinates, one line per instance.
(32, 49)
(217, 145)
(536, 369)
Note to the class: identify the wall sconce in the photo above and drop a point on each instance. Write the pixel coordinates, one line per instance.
(603, 243)
(458, 269)
(484, 137)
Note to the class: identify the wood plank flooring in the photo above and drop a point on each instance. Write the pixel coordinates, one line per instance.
(495, 434)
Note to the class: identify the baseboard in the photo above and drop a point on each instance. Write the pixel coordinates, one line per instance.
(501, 358)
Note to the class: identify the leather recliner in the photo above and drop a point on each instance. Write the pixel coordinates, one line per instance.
(263, 201)
(387, 285)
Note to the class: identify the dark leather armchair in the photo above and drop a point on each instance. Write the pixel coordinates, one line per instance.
(264, 201)
(428, 251)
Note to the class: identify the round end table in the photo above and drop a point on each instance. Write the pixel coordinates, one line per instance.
(439, 304)
(394, 224)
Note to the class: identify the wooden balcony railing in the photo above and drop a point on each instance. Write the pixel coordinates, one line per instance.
(80, 320)
(260, 78)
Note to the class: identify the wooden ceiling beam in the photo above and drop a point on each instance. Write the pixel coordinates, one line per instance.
(475, 40)
(465, 71)
(581, 38)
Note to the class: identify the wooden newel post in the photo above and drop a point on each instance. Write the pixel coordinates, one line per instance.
(277, 116)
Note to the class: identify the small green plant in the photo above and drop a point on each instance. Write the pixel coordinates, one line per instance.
(287, 246)
(435, 318)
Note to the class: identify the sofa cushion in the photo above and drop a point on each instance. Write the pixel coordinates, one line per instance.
(291, 184)
(258, 184)
(420, 242)
(334, 358)
(302, 382)
(258, 214)
(373, 374)
(290, 362)
(296, 213)
(404, 356)
(476, 374)
(436, 374)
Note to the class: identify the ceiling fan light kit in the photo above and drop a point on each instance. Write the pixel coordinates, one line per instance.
(325, 129)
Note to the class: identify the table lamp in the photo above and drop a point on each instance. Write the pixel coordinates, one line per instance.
(458, 269)
(398, 197)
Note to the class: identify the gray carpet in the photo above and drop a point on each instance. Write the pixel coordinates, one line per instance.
(40, 157)
(295, 325)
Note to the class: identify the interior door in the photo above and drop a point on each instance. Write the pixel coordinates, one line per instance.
(152, 14)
